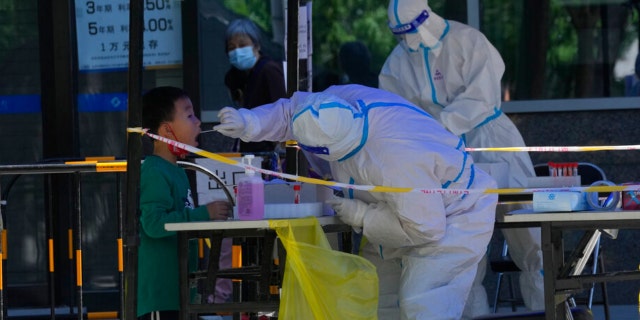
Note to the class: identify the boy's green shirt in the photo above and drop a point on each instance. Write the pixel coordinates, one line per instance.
(165, 196)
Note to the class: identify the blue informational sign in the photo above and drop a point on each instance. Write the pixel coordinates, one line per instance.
(22, 103)
(103, 34)
(103, 102)
(31, 103)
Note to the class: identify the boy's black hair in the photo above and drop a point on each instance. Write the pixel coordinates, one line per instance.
(158, 106)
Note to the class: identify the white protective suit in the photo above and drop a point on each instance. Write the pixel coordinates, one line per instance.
(456, 78)
(426, 246)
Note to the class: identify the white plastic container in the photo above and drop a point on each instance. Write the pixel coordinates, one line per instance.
(291, 210)
(553, 182)
(561, 201)
(250, 198)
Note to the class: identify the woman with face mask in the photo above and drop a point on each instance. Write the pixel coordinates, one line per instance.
(254, 78)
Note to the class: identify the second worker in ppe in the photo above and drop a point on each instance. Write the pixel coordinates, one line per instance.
(453, 72)
(426, 246)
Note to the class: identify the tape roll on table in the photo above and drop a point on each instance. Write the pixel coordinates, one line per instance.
(609, 204)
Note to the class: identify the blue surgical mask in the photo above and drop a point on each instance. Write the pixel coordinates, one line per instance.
(242, 58)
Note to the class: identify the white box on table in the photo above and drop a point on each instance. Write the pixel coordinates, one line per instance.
(289, 210)
(562, 201)
(557, 201)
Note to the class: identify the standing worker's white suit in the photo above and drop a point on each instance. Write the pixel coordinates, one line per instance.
(453, 72)
(426, 246)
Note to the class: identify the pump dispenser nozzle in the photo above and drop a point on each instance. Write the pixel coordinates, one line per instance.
(249, 160)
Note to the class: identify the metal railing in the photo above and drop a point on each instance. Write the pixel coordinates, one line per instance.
(76, 169)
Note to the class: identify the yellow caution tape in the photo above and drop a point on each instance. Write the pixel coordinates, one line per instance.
(556, 149)
(372, 188)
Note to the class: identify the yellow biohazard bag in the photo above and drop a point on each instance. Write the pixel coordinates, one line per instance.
(321, 283)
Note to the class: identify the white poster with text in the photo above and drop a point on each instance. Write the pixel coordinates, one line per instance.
(103, 34)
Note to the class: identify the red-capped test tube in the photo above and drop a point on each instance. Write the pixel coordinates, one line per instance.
(296, 193)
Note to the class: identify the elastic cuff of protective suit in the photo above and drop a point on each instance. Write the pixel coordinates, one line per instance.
(251, 125)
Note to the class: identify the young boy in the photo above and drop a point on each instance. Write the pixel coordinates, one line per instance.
(165, 196)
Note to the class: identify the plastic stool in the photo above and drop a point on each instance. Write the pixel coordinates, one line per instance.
(505, 267)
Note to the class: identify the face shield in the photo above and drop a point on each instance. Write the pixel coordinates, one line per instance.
(407, 33)
(411, 26)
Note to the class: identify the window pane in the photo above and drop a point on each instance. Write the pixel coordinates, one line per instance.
(561, 49)
(21, 141)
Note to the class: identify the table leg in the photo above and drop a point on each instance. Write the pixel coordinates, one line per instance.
(213, 266)
(347, 243)
(268, 242)
(183, 268)
(553, 262)
(548, 267)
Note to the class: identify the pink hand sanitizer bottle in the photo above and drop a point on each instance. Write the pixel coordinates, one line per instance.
(250, 196)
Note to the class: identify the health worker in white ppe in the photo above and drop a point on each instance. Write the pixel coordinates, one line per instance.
(453, 72)
(426, 246)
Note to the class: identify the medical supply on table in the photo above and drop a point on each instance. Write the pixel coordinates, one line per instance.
(609, 203)
(250, 197)
(631, 198)
(286, 200)
(278, 191)
(561, 174)
(561, 201)
(280, 200)
(562, 169)
(291, 210)
(281, 191)
(553, 182)
(566, 201)
(296, 193)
